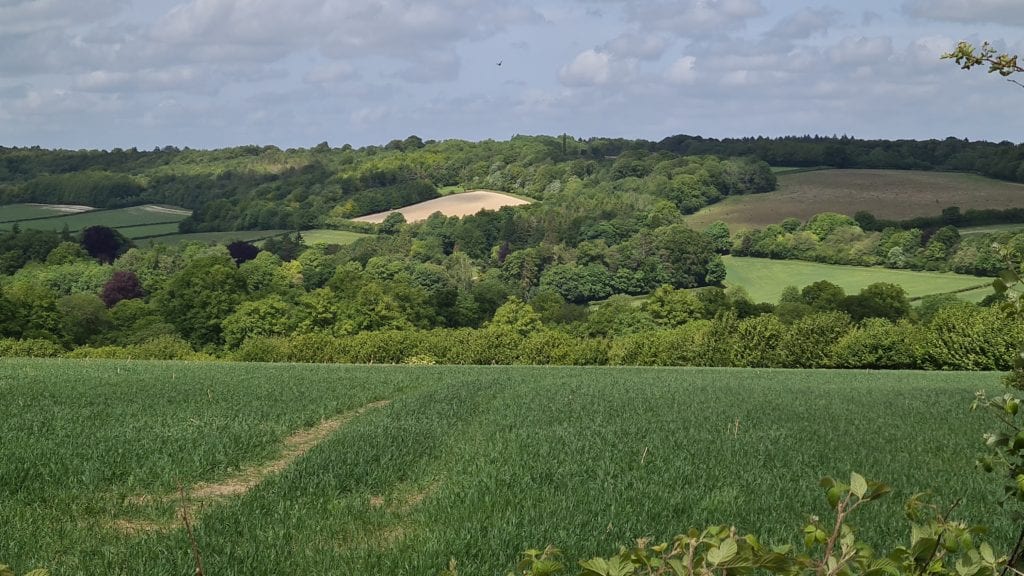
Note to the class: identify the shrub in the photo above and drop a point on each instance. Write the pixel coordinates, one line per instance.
(759, 339)
(554, 347)
(878, 343)
(678, 347)
(808, 341)
(264, 349)
(967, 337)
(158, 348)
(31, 348)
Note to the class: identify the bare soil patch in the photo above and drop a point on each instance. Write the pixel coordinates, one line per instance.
(166, 210)
(204, 494)
(462, 204)
(64, 208)
(403, 502)
(888, 194)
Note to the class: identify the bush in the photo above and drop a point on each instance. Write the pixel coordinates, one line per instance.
(31, 348)
(808, 342)
(264, 349)
(678, 347)
(158, 348)
(880, 344)
(968, 337)
(554, 347)
(759, 339)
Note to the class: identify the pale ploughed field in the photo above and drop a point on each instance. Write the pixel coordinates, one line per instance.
(464, 204)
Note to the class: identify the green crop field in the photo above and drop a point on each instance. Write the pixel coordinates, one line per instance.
(133, 216)
(764, 279)
(148, 230)
(213, 237)
(991, 229)
(890, 194)
(13, 212)
(471, 463)
(330, 236)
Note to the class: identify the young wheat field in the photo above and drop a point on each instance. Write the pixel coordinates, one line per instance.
(315, 469)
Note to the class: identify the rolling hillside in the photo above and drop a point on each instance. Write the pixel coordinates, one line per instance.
(888, 194)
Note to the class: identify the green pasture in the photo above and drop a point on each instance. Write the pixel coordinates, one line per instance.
(764, 279)
(991, 229)
(14, 212)
(121, 217)
(148, 230)
(976, 295)
(213, 237)
(471, 463)
(780, 170)
(325, 236)
(453, 189)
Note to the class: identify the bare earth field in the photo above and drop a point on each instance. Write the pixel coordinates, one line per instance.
(888, 194)
(463, 204)
(64, 208)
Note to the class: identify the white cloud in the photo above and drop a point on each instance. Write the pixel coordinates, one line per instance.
(861, 50)
(589, 68)
(637, 45)
(370, 114)
(26, 16)
(692, 18)
(682, 71)
(924, 52)
(806, 23)
(150, 80)
(985, 11)
(403, 28)
(431, 66)
(330, 72)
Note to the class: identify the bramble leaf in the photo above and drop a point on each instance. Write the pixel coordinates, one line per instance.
(858, 485)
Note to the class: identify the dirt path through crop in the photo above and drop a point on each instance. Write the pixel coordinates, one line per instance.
(202, 495)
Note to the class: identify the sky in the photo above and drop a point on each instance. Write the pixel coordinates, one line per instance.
(101, 74)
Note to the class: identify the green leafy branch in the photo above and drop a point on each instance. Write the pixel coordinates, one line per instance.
(967, 56)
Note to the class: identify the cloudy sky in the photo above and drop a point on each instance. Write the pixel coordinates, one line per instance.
(213, 73)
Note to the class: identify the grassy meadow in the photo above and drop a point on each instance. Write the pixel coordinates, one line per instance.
(764, 279)
(325, 236)
(889, 194)
(213, 237)
(144, 224)
(14, 212)
(991, 229)
(117, 218)
(471, 463)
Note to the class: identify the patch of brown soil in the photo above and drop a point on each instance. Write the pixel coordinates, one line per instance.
(202, 494)
(135, 527)
(462, 204)
(891, 194)
(404, 502)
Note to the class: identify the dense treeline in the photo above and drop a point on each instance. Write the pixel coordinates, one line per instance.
(507, 286)
(253, 187)
(837, 239)
(1004, 160)
(951, 216)
(414, 295)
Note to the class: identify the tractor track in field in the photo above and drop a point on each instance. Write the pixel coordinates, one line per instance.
(204, 494)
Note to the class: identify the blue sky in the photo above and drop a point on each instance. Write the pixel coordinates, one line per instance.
(213, 73)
